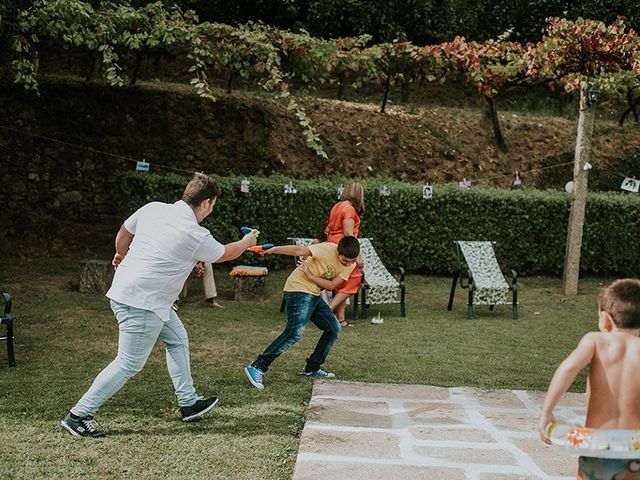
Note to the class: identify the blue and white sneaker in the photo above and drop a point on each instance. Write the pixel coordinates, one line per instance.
(255, 376)
(318, 374)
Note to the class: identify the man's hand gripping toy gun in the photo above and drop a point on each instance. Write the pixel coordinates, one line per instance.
(259, 249)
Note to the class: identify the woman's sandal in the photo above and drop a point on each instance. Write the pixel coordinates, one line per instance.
(344, 323)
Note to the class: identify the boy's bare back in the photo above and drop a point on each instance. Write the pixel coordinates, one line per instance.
(613, 357)
(614, 381)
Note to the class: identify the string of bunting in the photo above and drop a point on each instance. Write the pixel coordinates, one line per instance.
(629, 184)
(141, 165)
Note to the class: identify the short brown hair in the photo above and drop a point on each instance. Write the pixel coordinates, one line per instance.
(621, 300)
(200, 188)
(349, 247)
(354, 193)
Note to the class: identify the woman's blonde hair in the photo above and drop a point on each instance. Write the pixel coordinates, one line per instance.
(354, 193)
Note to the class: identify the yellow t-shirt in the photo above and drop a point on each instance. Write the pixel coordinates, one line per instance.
(324, 262)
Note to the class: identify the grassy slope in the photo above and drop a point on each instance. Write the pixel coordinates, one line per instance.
(64, 338)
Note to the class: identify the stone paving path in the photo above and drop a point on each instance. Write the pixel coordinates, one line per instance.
(364, 431)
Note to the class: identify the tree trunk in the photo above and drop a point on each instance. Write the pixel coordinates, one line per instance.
(91, 68)
(632, 106)
(404, 92)
(156, 65)
(136, 69)
(341, 86)
(230, 76)
(578, 197)
(387, 87)
(495, 121)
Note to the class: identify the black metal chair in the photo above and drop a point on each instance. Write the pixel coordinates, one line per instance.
(7, 319)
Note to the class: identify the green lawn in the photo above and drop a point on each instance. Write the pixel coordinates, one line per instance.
(65, 338)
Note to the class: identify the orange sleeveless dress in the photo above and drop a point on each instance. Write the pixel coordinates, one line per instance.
(343, 211)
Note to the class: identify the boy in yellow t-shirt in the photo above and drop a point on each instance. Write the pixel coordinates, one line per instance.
(327, 267)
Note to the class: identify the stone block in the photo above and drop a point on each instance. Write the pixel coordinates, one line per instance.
(494, 398)
(444, 434)
(461, 456)
(357, 444)
(524, 421)
(568, 400)
(553, 461)
(95, 276)
(329, 411)
(313, 470)
(378, 390)
(249, 288)
(437, 413)
(70, 197)
(507, 476)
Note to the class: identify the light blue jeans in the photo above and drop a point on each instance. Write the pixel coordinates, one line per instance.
(139, 331)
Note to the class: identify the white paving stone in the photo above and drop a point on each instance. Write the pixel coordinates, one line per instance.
(370, 431)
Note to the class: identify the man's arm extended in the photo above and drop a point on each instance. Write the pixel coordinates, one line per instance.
(234, 249)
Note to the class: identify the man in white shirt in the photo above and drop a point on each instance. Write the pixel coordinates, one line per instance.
(156, 249)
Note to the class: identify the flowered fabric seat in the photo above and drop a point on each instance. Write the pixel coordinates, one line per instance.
(379, 286)
(484, 279)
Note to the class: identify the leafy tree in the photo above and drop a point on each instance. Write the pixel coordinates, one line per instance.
(419, 21)
(574, 52)
(118, 37)
(490, 68)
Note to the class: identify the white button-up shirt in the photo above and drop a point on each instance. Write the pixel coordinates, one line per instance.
(167, 243)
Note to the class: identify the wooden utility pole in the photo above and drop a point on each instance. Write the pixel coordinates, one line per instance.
(581, 167)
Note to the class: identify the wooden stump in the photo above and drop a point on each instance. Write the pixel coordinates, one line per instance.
(95, 276)
(249, 287)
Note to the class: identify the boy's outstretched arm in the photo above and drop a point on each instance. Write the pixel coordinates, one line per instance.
(292, 250)
(563, 378)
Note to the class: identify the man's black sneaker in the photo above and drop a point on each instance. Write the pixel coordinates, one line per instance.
(81, 426)
(198, 409)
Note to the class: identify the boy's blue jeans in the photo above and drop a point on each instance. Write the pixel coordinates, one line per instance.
(302, 307)
(139, 331)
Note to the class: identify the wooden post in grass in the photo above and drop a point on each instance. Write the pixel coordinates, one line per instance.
(581, 166)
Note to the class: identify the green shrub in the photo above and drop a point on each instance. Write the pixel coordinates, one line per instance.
(529, 226)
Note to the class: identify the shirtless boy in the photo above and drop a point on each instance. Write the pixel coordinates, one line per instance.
(613, 384)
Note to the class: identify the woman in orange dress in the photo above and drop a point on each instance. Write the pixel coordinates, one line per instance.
(344, 220)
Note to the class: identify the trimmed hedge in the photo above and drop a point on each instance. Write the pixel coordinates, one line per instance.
(529, 226)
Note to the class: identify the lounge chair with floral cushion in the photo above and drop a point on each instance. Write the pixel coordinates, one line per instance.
(379, 286)
(484, 279)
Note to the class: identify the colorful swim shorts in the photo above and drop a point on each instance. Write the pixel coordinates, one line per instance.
(590, 468)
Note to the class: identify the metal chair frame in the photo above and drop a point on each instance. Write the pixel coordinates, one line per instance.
(7, 319)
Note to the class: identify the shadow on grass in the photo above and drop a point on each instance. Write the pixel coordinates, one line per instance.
(247, 425)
